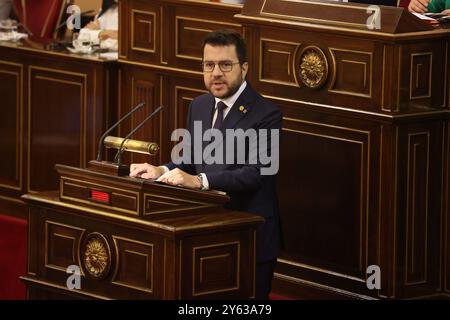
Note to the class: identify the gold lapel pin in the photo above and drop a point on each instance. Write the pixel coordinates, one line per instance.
(242, 109)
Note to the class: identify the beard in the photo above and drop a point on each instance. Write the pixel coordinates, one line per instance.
(227, 88)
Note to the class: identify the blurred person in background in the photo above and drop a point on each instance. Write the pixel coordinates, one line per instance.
(104, 28)
(434, 6)
(5, 9)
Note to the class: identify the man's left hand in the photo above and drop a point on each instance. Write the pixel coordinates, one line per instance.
(178, 177)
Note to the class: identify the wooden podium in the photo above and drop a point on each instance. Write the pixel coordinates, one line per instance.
(137, 239)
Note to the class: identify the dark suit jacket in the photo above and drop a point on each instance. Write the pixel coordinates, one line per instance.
(248, 189)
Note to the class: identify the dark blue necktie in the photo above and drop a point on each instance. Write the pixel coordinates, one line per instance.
(220, 107)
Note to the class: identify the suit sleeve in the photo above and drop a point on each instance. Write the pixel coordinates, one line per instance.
(248, 177)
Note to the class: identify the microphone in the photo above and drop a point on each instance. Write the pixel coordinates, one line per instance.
(102, 138)
(118, 157)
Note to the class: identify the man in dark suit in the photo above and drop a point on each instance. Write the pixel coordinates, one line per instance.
(236, 111)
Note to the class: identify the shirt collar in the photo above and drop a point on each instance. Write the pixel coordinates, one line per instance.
(231, 100)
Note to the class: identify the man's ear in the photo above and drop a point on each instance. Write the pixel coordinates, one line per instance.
(244, 68)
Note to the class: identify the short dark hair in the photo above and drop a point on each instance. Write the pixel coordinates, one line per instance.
(226, 37)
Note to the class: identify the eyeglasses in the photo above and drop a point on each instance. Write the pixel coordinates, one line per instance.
(224, 66)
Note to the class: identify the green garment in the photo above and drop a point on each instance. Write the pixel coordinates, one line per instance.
(438, 6)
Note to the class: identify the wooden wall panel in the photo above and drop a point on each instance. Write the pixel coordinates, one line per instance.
(142, 42)
(328, 213)
(143, 27)
(446, 227)
(420, 208)
(422, 80)
(346, 68)
(124, 26)
(277, 62)
(11, 121)
(132, 271)
(341, 237)
(186, 46)
(55, 109)
(175, 93)
(221, 254)
(216, 267)
(135, 264)
(355, 67)
(446, 182)
(182, 90)
(143, 86)
(353, 72)
(56, 120)
(61, 245)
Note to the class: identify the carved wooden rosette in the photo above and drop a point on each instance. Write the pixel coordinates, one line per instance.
(313, 67)
(96, 256)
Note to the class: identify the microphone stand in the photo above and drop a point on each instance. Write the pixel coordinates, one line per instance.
(106, 166)
(118, 157)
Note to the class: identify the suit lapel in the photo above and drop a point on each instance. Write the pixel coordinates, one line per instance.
(231, 120)
(241, 107)
(206, 116)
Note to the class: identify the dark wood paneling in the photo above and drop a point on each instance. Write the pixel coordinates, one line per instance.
(170, 33)
(339, 179)
(277, 62)
(56, 108)
(329, 214)
(190, 33)
(11, 93)
(135, 268)
(129, 251)
(143, 39)
(56, 120)
(138, 86)
(343, 141)
(182, 91)
(356, 69)
(185, 49)
(351, 79)
(422, 80)
(420, 208)
(124, 27)
(216, 269)
(353, 73)
(178, 255)
(61, 245)
(446, 226)
(173, 92)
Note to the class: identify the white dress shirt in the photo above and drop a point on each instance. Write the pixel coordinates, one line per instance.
(110, 19)
(229, 102)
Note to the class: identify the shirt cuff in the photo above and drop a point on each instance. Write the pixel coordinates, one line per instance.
(164, 168)
(205, 185)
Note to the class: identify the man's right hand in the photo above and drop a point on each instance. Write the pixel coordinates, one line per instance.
(419, 6)
(145, 171)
